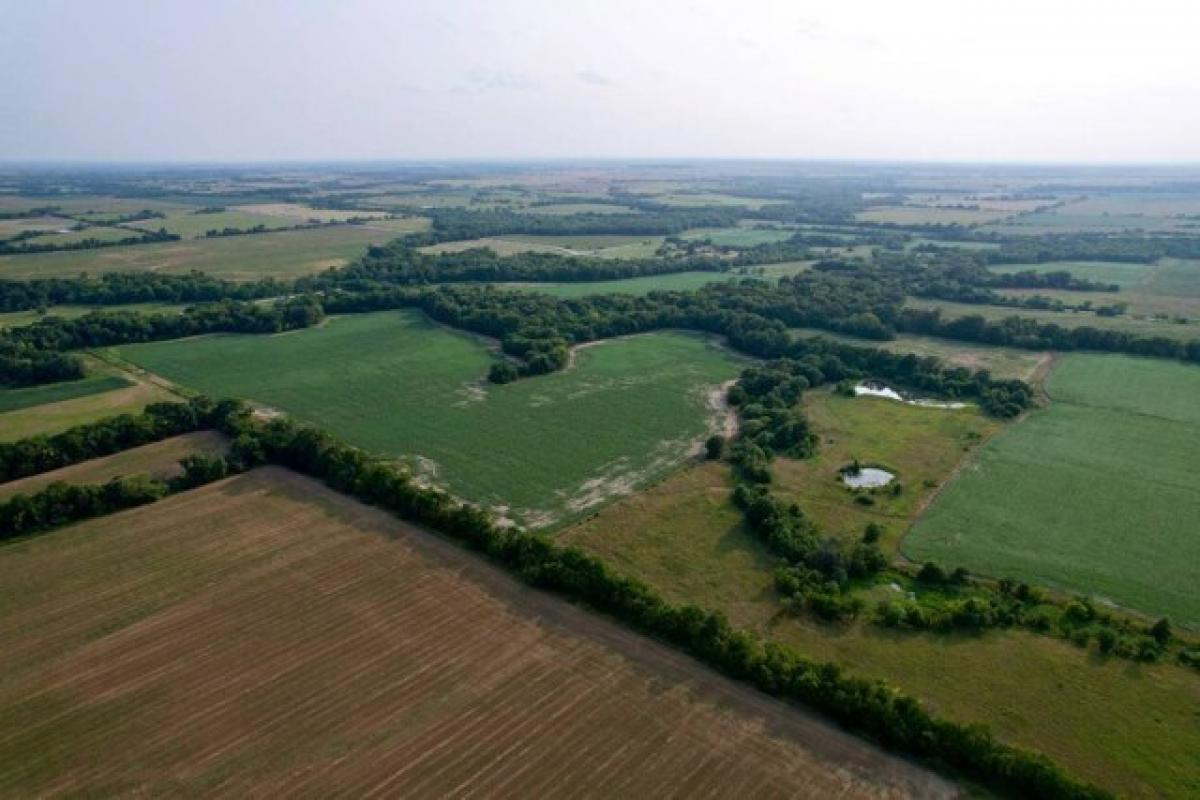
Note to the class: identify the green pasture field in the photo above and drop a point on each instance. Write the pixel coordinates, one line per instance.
(88, 204)
(101, 232)
(602, 245)
(1149, 211)
(1001, 362)
(285, 254)
(540, 449)
(564, 209)
(1096, 495)
(921, 446)
(930, 215)
(190, 225)
(13, 319)
(11, 227)
(684, 537)
(740, 236)
(46, 410)
(673, 281)
(1170, 287)
(1140, 326)
(28, 397)
(700, 199)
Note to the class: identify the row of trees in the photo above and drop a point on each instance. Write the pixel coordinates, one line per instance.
(869, 707)
(11, 247)
(23, 365)
(38, 454)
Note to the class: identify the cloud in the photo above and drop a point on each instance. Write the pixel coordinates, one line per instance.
(593, 78)
(484, 79)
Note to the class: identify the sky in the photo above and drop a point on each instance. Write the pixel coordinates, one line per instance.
(1044, 81)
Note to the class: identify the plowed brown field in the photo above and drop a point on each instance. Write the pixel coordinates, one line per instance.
(265, 636)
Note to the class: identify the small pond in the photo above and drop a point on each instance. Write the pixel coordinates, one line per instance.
(879, 389)
(867, 478)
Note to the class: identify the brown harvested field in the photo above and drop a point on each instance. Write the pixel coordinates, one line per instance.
(265, 636)
(158, 460)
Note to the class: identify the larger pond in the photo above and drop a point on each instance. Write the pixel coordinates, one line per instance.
(867, 478)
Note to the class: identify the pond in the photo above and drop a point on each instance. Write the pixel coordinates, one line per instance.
(867, 478)
(879, 389)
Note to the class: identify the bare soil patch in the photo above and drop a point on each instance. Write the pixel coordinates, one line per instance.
(265, 636)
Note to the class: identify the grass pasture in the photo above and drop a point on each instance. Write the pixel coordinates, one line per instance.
(931, 215)
(46, 410)
(159, 460)
(1137, 325)
(1168, 288)
(13, 319)
(1129, 727)
(1095, 495)
(922, 446)
(190, 224)
(603, 245)
(740, 236)
(31, 396)
(540, 449)
(286, 254)
(1001, 362)
(265, 636)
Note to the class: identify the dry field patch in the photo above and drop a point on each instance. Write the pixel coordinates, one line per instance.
(266, 636)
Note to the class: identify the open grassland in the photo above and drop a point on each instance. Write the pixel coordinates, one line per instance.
(921, 446)
(159, 460)
(192, 225)
(1129, 727)
(740, 236)
(27, 397)
(931, 215)
(98, 206)
(673, 281)
(1001, 362)
(265, 636)
(1168, 288)
(296, 213)
(1096, 495)
(604, 245)
(54, 415)
(281, 255)
(1148, 211)
(539, 449)
(1139, 326)
(700, 199)
(13, 319)
(98, 232)
(564, 209)
(11, 227)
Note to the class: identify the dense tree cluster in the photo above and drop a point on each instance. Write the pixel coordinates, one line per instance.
(23, 365)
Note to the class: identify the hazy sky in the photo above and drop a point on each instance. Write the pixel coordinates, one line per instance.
(902, 79)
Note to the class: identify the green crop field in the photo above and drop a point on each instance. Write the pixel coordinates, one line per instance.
(542, 449)
(16, 399)
(674, 281)
(1096, 495)
(1170, 287)
(280, 255)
